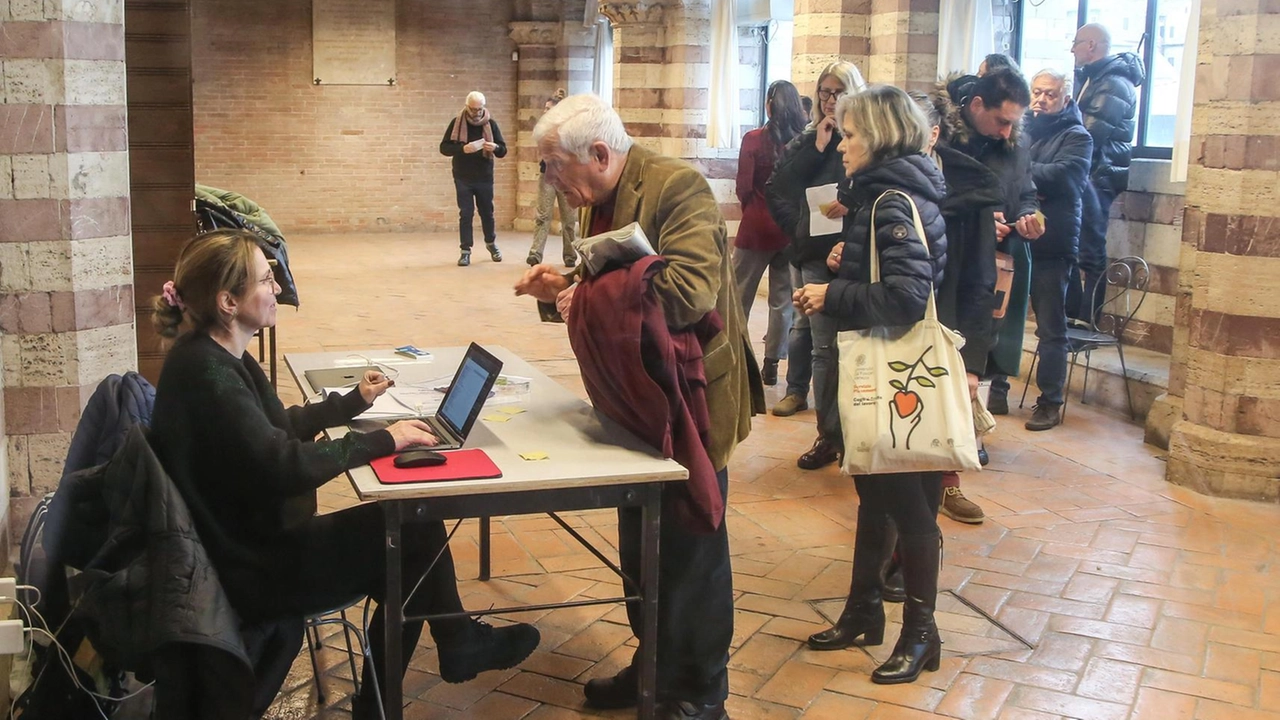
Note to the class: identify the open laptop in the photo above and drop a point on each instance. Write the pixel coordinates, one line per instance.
(462, 401)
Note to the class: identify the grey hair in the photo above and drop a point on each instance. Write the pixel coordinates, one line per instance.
(887, 120)
(475, 95)
(579, 121)
(1063, 79)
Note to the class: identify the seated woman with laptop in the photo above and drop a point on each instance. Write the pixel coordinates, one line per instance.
(237, 454)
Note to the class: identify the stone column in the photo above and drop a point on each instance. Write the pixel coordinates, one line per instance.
(826, 31)
(662, 55)
(66, 287)
(1228, 373)
(904, 43)
(536, 80)
(576, 57)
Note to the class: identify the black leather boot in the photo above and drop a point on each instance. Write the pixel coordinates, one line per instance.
(892, 589)
(863, 611)
(919, 648)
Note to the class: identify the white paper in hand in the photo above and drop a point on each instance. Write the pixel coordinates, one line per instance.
(820, 196)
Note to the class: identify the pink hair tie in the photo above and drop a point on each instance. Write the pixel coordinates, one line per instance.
(171, 296)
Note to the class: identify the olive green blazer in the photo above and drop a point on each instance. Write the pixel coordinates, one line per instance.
(675, 207)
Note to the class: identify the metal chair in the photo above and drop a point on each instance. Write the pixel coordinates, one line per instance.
(349, 628)
(1127, 280)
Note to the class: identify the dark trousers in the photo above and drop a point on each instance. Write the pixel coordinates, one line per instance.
(1049, 278)
(826, 356)
(335, 558)
(1085, 296)
(473, 194)
(911, 500)
(695, 603)
(799, 348)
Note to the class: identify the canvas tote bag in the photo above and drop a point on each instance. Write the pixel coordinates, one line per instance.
(904, 397)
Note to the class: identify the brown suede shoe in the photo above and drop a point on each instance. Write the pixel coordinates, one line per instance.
(960, 508)
(790, 405)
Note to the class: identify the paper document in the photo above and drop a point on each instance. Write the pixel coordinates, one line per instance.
(399, 402)
(820, 196)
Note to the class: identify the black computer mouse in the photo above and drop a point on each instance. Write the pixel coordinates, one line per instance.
(419, 458)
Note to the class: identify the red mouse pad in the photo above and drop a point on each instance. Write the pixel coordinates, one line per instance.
(462, 465)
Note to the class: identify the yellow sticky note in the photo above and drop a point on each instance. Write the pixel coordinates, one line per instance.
(496, 418)
(537, 455)
(511, 410)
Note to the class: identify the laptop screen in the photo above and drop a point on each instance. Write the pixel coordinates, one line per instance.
(469, 390)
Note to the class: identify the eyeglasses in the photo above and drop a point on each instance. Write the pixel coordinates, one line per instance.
(825, 94)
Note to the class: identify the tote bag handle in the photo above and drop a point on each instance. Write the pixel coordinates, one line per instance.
(931, 311)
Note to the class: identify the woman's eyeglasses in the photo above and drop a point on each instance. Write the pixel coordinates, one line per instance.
(825, 94)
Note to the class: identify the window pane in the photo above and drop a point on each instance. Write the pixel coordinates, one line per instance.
(1126, 20)
(1001, 27)
(1165, 76)
(1047, 31)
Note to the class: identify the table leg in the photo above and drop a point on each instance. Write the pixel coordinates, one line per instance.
(393, 626)
(652, 524)
(485, 550)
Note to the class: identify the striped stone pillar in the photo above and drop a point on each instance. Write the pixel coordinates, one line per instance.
(904, 43)
(576, 57)
(662, 55)
(1228, 440)
(66, 292)
(826, 31)
(536, 78)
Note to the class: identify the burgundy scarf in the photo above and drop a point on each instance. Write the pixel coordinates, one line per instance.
(460, 135)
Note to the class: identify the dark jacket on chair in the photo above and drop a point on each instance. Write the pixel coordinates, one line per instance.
(1060, 152)
(119, 403)
(1107, 92)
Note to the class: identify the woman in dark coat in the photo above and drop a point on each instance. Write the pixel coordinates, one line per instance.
(812, 160)
(760, 244)
(884, 133)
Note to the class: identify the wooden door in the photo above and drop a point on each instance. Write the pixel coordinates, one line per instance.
(157, 40)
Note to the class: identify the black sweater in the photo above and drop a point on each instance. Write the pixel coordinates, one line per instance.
(236, 454)
(472, 167)
(801, 167)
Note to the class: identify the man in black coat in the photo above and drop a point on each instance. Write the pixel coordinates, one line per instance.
(1107, 93)
(990, 109)
(1060, 153)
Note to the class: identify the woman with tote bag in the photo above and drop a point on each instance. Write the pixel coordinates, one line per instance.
(883, 133)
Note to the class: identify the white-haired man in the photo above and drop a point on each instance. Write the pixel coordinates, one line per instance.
(592, 160)
(1060, 152)
(473, 140)
(1106, 91)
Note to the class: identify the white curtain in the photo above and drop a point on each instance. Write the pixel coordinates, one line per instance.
(602, 79)
(1186, 95)
(966, 35)
(722, 124)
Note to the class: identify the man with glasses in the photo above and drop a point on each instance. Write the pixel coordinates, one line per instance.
(1108, 98)
(473, 140)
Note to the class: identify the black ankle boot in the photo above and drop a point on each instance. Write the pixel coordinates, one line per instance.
(485, 647)
(863, 614)
(919, 648)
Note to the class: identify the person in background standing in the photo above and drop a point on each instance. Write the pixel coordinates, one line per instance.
(547, 197)
(810, 160)
(473, 140)
(760, 244)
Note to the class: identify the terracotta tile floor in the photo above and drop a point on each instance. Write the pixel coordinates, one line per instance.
(1138, 599)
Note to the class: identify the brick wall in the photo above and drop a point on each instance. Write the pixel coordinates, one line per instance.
(1147, 221)
(347, 157)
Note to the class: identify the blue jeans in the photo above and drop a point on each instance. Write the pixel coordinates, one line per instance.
(748, 268)
(799, 348)
(826, 372)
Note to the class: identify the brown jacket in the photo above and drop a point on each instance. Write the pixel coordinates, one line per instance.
(675, 207)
